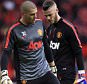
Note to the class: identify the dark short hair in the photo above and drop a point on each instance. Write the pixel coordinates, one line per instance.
(47, 4)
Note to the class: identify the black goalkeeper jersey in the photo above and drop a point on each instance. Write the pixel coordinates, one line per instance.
(66, 47)
(28, 43)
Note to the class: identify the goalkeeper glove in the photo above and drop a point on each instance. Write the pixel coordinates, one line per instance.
(80, 77)
(5, 78)
(54, 70)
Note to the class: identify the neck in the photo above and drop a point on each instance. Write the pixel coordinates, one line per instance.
(58, 18)
(23, 21)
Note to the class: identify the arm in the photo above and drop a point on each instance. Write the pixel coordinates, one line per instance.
(53, 68)
(76, 47)
(47, 50)
(5, 56)
(49, 55)
(77, 51)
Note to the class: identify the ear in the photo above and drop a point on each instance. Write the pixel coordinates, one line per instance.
(57, 10)
(21, 14)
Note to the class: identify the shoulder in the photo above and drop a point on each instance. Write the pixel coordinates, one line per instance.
(14, 26)
(38, 20)
(69, 26)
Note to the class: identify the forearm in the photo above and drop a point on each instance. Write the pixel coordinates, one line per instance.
(4, 59)
(4, 72)
(80, 77)
(53, 68)
(48, 53)
(79, 60)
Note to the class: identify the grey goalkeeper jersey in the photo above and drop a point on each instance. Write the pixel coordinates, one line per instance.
(28, 41)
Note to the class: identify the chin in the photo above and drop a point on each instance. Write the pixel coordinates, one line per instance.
(52, 22)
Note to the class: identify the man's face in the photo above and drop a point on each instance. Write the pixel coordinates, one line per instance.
(51, 14)
(30, 16)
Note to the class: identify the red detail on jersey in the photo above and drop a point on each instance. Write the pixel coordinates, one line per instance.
(8, 35)
(74, 32)
(35, 45)
(23, 36)
(38, 20)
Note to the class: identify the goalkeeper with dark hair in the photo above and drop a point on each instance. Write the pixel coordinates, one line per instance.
(65, 44)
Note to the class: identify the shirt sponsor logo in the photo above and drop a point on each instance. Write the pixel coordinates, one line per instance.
(54, 45)
(35, 45)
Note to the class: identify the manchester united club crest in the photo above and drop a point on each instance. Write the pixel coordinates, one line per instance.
(24, 82)
(40, 33)
(59, 34)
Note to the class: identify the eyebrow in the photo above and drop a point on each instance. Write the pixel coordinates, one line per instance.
(32, 13)
(48, 15)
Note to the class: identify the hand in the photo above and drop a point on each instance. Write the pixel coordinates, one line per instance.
(5, 78)
(80, 78)
(54, 70)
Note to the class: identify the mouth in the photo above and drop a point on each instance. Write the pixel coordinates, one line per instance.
(50, 21)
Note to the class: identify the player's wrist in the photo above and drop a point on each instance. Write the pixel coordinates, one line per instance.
(4, 73)
(54, 70)
(80, 77)
(5, 78)
(52, 64)
(81, 73)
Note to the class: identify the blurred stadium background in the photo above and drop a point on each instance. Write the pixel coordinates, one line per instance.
(72, 10)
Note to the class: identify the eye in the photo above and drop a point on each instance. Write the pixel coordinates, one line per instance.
(48, 15)
(32, 14)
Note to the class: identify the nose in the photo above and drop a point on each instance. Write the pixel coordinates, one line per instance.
(35, 15)
(48, 17)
